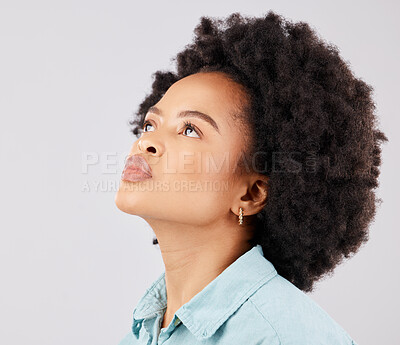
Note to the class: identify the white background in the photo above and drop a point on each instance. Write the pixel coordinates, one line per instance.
(72, 73)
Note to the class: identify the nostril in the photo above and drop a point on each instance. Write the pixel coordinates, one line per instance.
(151, 149)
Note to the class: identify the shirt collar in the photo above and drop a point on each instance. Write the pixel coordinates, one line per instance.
(212, 306)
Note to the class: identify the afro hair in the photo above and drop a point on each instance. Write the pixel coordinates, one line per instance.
(316, 123)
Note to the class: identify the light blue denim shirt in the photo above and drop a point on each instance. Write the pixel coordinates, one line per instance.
(249, 303)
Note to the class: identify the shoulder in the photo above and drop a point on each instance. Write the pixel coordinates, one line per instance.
(294, 316)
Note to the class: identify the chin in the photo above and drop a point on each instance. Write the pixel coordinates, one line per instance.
(120, 202)
(129, 201)
(125, 200)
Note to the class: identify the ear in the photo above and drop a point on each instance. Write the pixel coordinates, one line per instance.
(254, 196)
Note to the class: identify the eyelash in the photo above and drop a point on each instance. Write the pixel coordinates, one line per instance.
(187, 124)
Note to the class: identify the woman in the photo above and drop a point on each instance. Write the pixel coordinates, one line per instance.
(255, 166)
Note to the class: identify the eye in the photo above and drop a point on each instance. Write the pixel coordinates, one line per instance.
(192, 128)
(145, 124)
(193, 131)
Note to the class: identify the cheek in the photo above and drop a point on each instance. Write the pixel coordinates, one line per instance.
(204, 165)
(195, 166)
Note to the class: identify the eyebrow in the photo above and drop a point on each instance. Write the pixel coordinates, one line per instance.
(187, 113)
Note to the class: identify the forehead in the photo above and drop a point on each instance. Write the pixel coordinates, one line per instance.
(212, 93)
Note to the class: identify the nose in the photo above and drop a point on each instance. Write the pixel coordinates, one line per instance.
(150, 146)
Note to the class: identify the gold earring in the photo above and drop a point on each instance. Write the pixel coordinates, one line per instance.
(240, 216)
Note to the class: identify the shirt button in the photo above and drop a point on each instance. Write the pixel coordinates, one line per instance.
(205, 333)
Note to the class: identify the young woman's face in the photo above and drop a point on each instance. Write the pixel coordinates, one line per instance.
(194, 171)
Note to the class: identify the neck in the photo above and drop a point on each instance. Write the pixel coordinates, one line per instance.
(194, 256)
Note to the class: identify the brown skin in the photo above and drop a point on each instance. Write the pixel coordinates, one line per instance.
(197, 230)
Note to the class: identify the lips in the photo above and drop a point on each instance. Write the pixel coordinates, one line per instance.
(136, 169)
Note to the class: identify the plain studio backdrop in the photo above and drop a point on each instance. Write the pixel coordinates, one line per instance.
(73, 266)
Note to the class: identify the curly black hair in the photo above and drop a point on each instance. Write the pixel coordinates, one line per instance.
(305, 101)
